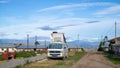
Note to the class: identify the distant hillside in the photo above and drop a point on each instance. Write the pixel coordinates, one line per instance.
(84, 44)
(20, 41)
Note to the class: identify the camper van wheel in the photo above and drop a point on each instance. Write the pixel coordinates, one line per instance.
(63, 58)
(66, 57)
(48, 58)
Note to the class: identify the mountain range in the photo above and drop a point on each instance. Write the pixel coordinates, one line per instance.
(75, 43)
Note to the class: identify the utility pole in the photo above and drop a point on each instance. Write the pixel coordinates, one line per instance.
(35, 38)
(27, 41)
(45, 43)
(35, 42)
(115, 32)
(78, 42)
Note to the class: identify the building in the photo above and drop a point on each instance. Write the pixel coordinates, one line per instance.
(20, 47)
(114, 45)
(32, 48)
(7, 47)
(75, 48)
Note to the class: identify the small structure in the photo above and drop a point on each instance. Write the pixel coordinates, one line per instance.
(114, 45)
(7, 51)
(32, 48)
(75, 48)
(11, 47)
(105, 47)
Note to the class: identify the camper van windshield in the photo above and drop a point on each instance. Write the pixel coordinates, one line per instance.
(55, 46)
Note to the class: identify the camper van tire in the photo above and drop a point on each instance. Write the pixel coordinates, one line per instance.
(63, 58)
(48, 58)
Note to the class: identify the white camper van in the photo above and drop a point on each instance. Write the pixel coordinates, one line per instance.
(58, 48)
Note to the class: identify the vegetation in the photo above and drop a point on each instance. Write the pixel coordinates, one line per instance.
(36, 43)
(1, 59)
(25, 54)
(18, 66)
(67, 63)
(111, 57)
(102, 43)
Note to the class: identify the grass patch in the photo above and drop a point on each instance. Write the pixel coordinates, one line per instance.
(60, 63)
(1, 59)
(75, 57)
(25, 54)
(109, 56)
(67, 63)
(18, 66)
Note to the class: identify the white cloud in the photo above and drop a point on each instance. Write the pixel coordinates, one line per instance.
(79, 5)
(109, 10)
(4, 1)
(21, 29)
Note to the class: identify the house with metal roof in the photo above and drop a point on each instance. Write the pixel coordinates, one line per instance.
(10, 47)
(114, 45)
(31, 48)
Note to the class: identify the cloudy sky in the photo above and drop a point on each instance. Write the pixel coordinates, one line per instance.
(91, 19)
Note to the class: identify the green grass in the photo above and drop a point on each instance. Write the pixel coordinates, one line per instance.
(18, 66)
(112, 59)
(67, 63)
(76, 57)
(60, 63)
(1, 59)
(25, 54)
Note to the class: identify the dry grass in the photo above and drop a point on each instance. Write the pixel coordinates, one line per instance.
(55, 63)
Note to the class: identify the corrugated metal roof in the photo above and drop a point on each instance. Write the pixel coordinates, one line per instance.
(31, 47)
(112, 40)
(10, 45)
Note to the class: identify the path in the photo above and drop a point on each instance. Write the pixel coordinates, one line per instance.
(14, 62)
(94, 60)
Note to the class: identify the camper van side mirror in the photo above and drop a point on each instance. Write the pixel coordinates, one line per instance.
(64, 47)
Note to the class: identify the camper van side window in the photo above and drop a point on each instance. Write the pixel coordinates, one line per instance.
(64, 47)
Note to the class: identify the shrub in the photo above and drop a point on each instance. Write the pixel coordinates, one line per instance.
(24, 54)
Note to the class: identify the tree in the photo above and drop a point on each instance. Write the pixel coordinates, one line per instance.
(102, 43)
(36, 43)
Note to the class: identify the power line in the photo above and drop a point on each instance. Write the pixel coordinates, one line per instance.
(107, 32)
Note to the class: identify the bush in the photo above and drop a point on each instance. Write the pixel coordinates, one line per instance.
(1, 59)
(24, 54)
(40, 52)
(110, 57)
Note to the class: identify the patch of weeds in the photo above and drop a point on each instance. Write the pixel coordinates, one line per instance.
(60, 63)
(18, 66)
(28, 62)
(109, 56)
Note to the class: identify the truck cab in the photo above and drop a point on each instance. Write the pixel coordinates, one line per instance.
(57, 50)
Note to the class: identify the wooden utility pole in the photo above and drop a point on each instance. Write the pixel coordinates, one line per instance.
(115, 32)
(78, 42)
(35, 38)
(27, 41)
(45, 43)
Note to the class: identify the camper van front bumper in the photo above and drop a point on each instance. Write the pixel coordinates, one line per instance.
(55, 56)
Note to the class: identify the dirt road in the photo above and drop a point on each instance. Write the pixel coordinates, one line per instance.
(94, 60)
